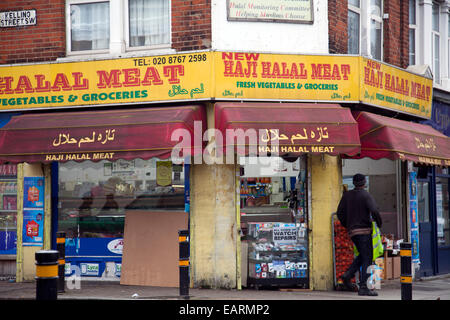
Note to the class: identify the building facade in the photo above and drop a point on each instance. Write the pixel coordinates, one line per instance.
(96, 89)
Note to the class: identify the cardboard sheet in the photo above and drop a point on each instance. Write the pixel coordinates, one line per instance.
(150, 252)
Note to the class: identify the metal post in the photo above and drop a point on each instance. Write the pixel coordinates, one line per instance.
(183, 239)
(61, 247)
(406, 271)
(46, 274)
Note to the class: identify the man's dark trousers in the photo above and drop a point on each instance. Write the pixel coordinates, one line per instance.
(363, 243)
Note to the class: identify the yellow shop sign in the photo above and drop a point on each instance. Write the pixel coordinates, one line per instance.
(215, 75)
(293, 77)
(134, 80)
(393, 88)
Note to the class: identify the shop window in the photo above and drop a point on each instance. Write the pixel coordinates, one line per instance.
(273, 200)
(8, 208)
(442, 211)
(96, 26)
(94, 197)
(381, 183)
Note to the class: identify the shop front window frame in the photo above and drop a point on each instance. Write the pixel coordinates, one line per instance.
(443, 210)
(96, 209)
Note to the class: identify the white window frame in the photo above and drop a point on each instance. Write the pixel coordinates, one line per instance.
(69, 28)
(436, 34)
(413, 27)
(378, 19)
(366, 18)
(448, 47)
(119, 31)
(359, 13)
(126, 19)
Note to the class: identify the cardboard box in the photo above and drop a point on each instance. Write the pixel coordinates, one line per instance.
(388, 268)
(396, 269)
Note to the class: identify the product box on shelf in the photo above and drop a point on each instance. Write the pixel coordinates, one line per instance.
(379, 262)
(388, 269)
(396, 268)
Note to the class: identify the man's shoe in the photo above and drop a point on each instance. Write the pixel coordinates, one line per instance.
(348, 285)
(366, 292)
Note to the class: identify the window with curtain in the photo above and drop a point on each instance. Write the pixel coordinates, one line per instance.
(148, 22)
(376, 28)
(435, 36)
(353, 25)
(89, 26)
(412, 32)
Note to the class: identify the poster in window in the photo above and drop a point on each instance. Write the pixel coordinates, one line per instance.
(33, 211)
(33, 192)
(33, 227)
(164, 173)
(285, 233)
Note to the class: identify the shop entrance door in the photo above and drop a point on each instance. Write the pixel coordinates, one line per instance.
(425, 228)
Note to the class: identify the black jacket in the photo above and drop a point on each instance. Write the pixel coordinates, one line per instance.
(355, 209)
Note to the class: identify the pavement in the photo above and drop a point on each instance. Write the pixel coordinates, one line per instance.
(435, 288)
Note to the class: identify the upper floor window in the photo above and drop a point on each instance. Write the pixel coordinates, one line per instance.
(89, 26)
(365, 28)
(376, 28)
(148, 22)
(353, 25)
(435, 36)
(412, 32)
(99, 26)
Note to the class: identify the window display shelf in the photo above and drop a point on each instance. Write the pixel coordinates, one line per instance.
(278, 282)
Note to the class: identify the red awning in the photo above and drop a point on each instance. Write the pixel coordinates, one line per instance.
(290, 129)
(100, 135)
(383, 137)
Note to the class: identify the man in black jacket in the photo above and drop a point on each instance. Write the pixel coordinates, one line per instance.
(354, 212)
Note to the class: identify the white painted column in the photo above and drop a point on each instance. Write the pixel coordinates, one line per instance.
(424, 35)
(445, 44)
(116, 25)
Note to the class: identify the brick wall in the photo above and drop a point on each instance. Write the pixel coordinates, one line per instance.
(337, 23)
(44, 41)
(191, 25)
(396, 33)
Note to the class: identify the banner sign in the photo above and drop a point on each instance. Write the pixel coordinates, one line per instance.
(215, 75)
(393, 88)
(293, 77)
(33, 211)
(101, 82)
(294, 11)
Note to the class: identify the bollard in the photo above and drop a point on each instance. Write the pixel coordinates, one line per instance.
(46, 275)
(406, 271)
(61, 247)
(183, 239)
